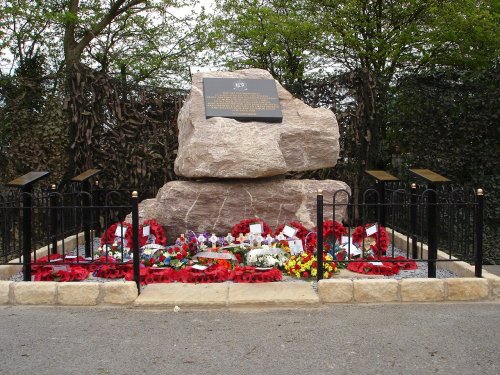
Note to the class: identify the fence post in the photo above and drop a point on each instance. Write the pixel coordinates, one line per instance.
(135, 238)
(478, 264)
(432, 179)
(319, 226)
(86, 217)
(25, 183)
(84, 180)
(413, 221)
(27, 203)
(380, 185)
(432, 230)
(381, 177)
(98, 202)
(53, 218)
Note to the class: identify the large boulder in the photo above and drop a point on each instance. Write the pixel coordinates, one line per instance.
(218, 147)
(216, 206)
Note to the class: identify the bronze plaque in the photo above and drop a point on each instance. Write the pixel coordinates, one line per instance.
(242, 99)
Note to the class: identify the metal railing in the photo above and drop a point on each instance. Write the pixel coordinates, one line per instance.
(448, 219)
(46, 219)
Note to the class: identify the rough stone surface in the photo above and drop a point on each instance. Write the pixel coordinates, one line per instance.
(4, 292)
(183, 295)
(78, 294)
(35, 293)
(119, 293)
(467, 289)
(306, 139)
(216, 206)
(422, 290)
(335, 291)
(375, 290)
(272, 294)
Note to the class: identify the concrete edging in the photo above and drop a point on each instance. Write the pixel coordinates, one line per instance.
(119, 293)
(408, 290)
(67, 293)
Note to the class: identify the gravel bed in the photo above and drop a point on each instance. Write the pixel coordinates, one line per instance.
(420, 272)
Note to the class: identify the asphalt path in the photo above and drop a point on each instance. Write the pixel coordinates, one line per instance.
(342, 339)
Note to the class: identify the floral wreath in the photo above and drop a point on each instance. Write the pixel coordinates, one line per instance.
(243, 227)
(330, 227)
(156, 230)
(381, 238)
(388, 267)
(109, 236)
(368, 268)
(301, 230)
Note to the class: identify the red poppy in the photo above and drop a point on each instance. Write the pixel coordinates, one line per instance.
(302, 231)
(109, 236)
(243, 227)
(156, 230)
(381, 238)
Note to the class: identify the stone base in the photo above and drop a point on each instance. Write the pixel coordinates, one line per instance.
(216, 206)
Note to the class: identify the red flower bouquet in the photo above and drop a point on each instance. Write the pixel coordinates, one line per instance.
(156, 230)
(243, 227)
(109, 236)
(330, 229)
(301, 230)
(372, 267)
(381, 238)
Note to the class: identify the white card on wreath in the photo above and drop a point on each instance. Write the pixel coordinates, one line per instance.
(289, 231)
(352, 251)
(199, 267)
(377, 263)
(345, 240)
(120, 231)
(146, 231)
(370, 231)
(296, 247)
(256, 228)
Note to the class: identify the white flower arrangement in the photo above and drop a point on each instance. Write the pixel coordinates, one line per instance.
(266, 257)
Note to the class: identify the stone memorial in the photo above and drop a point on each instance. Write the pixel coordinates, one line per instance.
(239, 133)
(222, 147)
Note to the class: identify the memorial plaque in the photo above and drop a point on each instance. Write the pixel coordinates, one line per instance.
(242, 99)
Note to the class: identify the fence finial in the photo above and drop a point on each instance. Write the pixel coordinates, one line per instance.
(480, 192)
(53, 187)
(413, 185)
(320, 192)
(135, 194)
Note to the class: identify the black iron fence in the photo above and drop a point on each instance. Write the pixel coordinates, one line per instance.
(424, 219)
(66, 222)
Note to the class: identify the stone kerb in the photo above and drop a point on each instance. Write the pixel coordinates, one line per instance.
(68, 294)
(409, 290)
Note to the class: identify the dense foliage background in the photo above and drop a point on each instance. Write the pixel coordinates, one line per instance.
(414, 83)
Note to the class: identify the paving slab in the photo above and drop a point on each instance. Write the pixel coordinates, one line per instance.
(296, 294)
(183, 295)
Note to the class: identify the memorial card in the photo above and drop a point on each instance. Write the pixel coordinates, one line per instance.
(256, 228)
(289, 231)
